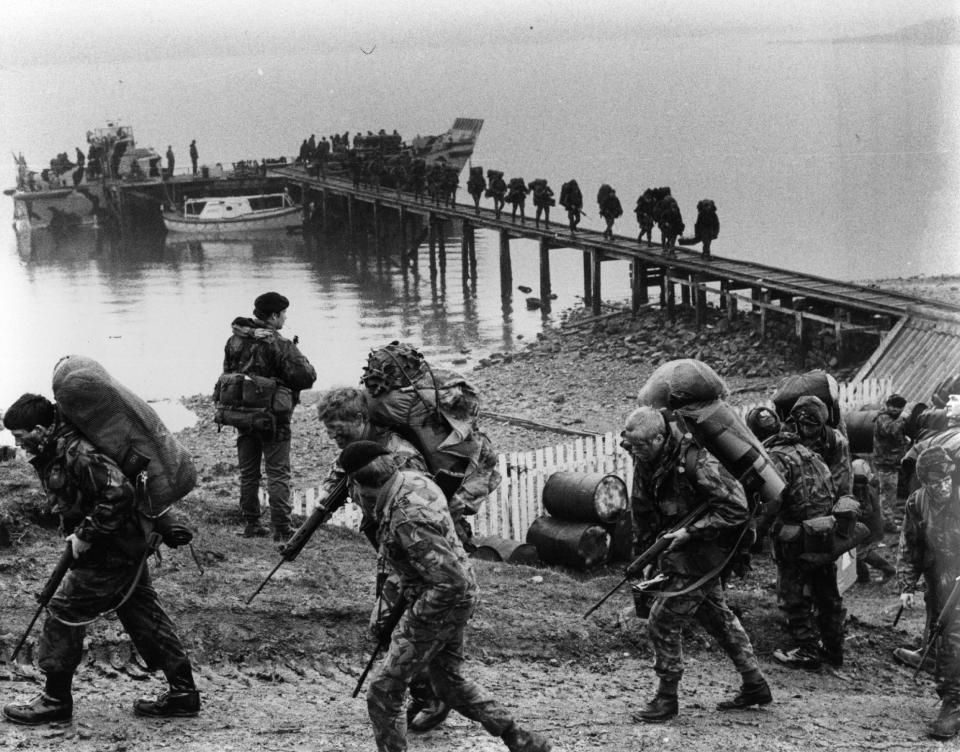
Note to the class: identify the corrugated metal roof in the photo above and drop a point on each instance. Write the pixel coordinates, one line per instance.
(916, 355)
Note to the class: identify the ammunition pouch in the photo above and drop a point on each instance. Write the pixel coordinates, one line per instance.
(790, 541)
(249, 391)
(819, 534)
(245, 419)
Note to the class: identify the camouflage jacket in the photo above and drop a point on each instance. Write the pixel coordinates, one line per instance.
(88, 491)
(810, 491)
(258, 349)
(890, 441)
(929, 542)
(834, 449)
(664, 494)
(418, 541)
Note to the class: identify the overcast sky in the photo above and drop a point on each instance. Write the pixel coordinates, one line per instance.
(92, 30)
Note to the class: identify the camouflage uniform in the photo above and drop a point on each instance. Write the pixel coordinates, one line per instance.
(830, 444)
(866, 491)
(890, 443)
(418, 542)
(256, 348)
(929, 546)
(95, 501)
(805, 590)
(661, 497)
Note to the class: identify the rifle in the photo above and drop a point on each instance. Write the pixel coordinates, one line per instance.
(650, 555)
(292, 548)
(388, 626)
(940, 624)
(896, 619)
(44, 596)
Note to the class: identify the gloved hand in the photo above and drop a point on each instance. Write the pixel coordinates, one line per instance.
(78, 546)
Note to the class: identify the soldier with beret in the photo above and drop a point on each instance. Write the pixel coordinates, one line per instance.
(930, 549)
(256, 347)
(417, 541)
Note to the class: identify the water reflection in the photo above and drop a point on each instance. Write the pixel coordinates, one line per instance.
(157, 309)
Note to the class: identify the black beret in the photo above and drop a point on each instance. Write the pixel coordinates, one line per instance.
(896, 401)
(358, 454)
(271, 302)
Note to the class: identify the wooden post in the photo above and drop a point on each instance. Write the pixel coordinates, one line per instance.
(731, 307)
(685, 292)
(473, 254)
(587, 278)
(724, 293)
(432, 230)
(464, 252)
(350, 211)
(506, 269)
(801, 339)
(671, 301)
(376, 226)
(765, 297)
(635, 267)
(596, 295)
(545, 274)
(323, 207)
(305, 203)
(701, 298)
(441, 245)
(644, 281)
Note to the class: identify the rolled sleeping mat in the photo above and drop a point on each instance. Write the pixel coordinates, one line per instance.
(721, 430)
(585, 497)
(682, 382)
(578, 545)
(860, 425)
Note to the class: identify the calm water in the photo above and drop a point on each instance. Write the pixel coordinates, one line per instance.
(841, 160)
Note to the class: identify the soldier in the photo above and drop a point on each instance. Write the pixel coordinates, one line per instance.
(644, 212)
(476, 185)
(706, 228)
(257, 347)
(571, 199)
(417, 541)
(194, 156)
(96, 504)
(542, 200)
(803, 589)
(929, 546)
(865, 491)
(517, 197)
(610, 208)
(808, 419)
(672, 475)
(343, 412)
(890, 443)
(497, 190)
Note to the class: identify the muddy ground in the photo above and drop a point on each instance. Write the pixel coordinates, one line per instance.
(278, 674)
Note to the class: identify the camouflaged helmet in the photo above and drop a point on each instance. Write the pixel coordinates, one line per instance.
(810, 411)
(763, 422)
(392, 367)
(934, 464)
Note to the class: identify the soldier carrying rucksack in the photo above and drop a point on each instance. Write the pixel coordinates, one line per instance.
(571, 199)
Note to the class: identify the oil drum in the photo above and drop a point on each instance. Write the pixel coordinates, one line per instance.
(495, 548)
(585, 497)
(860, 430)
(579, 545)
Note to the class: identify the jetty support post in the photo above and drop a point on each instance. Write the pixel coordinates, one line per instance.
(596, 297)
(545, 291)
(638, 285)
(802, 332)
(465, 252)
(506, 268)
(587, 279)
(432, 241)
(472, 236)
(441, 245)
(668, 294)
(350, 212)
(700, 292)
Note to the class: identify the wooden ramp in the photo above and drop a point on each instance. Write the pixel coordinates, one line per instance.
(916, 355)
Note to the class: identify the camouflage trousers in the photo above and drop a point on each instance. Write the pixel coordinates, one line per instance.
(946, 651)
(892, 506)
(432, 642)
(706, 604)
(87, 592)
(807, 594)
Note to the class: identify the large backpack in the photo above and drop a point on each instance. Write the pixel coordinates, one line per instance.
(125, 428)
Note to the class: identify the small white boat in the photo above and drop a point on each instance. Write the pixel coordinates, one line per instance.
(268, 211)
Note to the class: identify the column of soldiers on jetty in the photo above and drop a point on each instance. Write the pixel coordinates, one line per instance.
(416, 502)
(381, 159)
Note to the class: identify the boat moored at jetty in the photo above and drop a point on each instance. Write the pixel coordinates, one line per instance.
(268, 211)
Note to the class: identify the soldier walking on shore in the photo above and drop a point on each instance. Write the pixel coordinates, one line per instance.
(418, 542)
(672, 476)
(96, 504)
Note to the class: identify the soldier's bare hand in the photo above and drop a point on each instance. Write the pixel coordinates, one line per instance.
(78, 546)
(907, 600)
(677, 538)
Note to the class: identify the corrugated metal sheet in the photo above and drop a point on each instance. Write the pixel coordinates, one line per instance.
(916, 355)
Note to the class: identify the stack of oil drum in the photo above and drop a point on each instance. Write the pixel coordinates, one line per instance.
(587, 521)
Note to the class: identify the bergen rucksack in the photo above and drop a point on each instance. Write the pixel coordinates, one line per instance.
(125, 428)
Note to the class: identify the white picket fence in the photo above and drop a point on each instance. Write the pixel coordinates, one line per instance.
(510, 510)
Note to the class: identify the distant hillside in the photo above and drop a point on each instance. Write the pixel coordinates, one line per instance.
(937, 31)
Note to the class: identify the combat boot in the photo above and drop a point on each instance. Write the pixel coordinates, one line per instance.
(519, 740)
(832, 654)
(282, 533)
(253, 529)
(911, 658)
(749, 695)
(799, 657)
(41, 709)
(174, 703)
(658, 710)
(432, 714)
(948, 722)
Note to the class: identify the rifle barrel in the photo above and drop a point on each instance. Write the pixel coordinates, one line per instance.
(265, 580)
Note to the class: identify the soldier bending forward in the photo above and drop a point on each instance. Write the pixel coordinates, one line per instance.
(418, 541)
